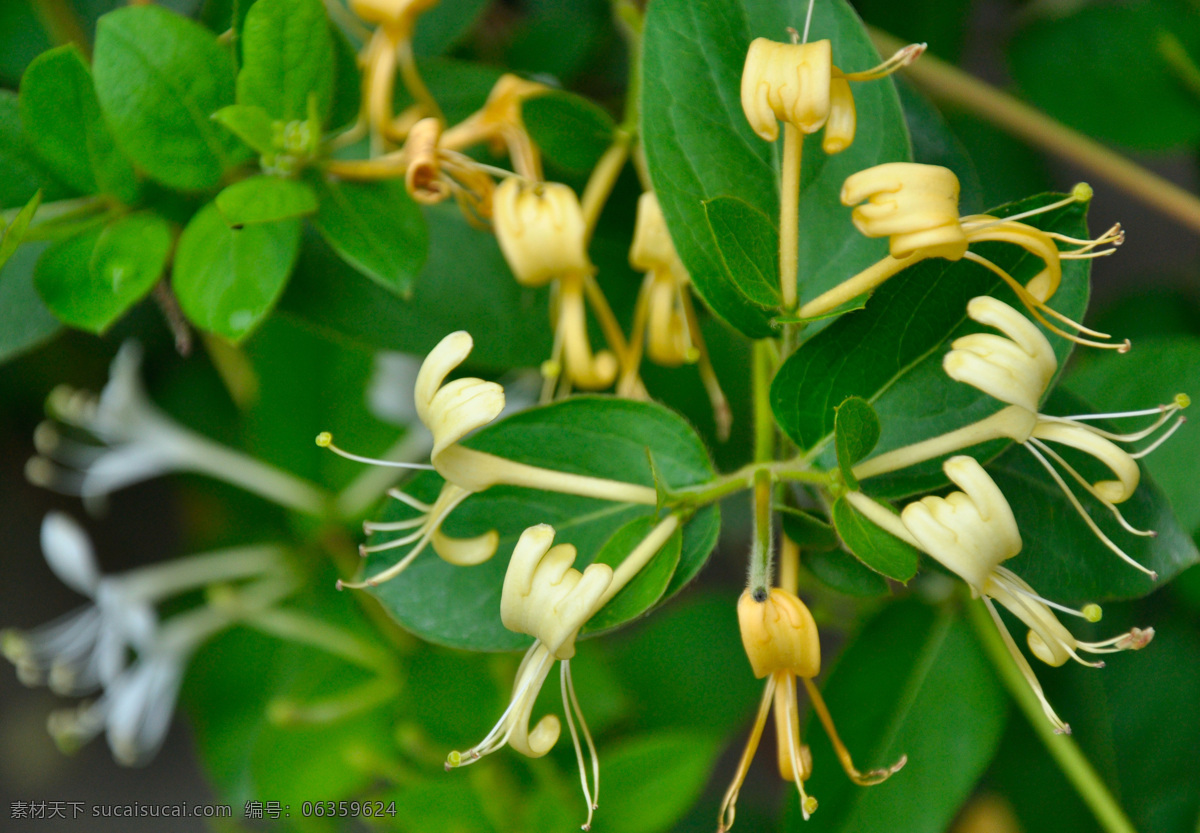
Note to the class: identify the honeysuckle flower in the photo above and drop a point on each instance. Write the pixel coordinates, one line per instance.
(451, 411)
(137, 441)
(433, 172)
(797, 83)
(1017, 368)
(971, 533)
(545, 597)
(782, 644)
(499, 122)
(90, 647)
(916, 206)
(543, 235)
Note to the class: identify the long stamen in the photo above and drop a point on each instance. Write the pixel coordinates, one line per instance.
(1181, 401)
(1091, 611)
(1082, 192)
(325, 440)
(571, 710)
(1091, 490)
(500, 733)
(1166, 436)
(364, 550)
(1083, 513)
(408, 499)
(1023, 665)
(587, 736)
(808, 804)
(865, 779)
(902, 58)
(375, 526)
(729, 803)
(1036, 308)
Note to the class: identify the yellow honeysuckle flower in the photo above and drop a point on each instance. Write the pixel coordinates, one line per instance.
(782, 644)
(499, 122)
(798, 83)
(661, 318)
(1017, 368)
(451, 411)
(971, 533)
(915, 206)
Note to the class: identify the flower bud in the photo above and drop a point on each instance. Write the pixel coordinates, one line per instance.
(451, 411)
(541, 231)
(779, 634)
(391, 13)
(916, 206)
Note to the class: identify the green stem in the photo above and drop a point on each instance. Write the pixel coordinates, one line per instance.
(1062, 748)
(948, 83)
(762, 554)
(297, 627)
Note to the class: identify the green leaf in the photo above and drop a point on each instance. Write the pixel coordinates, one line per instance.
(890, 353)
(809, 531)
(654, 779)
(747, 247)
(24, 171)
(913, 682)
(24, 320)
(445, 24)
(287, 56)
(1061, 557)
(465, 282)
(1054, 63)
(856, 432)
(90, 280)
(1152, 374)
(59, 110)
(844, 573)
(599, 436)
(250, 124)
(265, 199)
(648, 586)
(571, 131)
(699, 145)
(226, 280)
(376, 228)
(14, 232)
(878, 549)
(159, 78)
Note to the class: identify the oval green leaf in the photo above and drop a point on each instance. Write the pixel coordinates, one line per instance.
(856, 433)
(265, 199)
(228, 280)
(598, 436)
(287, 56)
(878, 549)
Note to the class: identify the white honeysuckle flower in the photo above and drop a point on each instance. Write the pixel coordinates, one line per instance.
(89, 648)
(1017, 369)
(544, 596)
(137, 441)
(971, 533)
(451, 411)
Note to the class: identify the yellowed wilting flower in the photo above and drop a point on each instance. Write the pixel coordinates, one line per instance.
(782, 644)
(1017, 368)
(971, 533)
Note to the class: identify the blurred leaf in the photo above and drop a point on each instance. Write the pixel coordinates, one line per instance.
(856, 433)
(747, 249)
(441, 804)
(24, 172)
(250, 124)
(571, 131)
(24, 320)
(891, 352)
(21, 39)
(265, 199)
(1152, 374)
(61, 114)
(1063, 559)
(14, 232)
(159, 78)
(557, 38)
(90, 280)
(942, 24)
(598, 436)
(652, 780)
(460, 87)
(445, 24)
(913, 682)
(226, 280)
(376, 228)
(287, 57)
(699, 145)
(879, 550)
(464, 284)
(647, 587)
(1130, 96)
(843, 572)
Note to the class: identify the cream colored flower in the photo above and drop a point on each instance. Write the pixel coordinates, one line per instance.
(541, 231)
